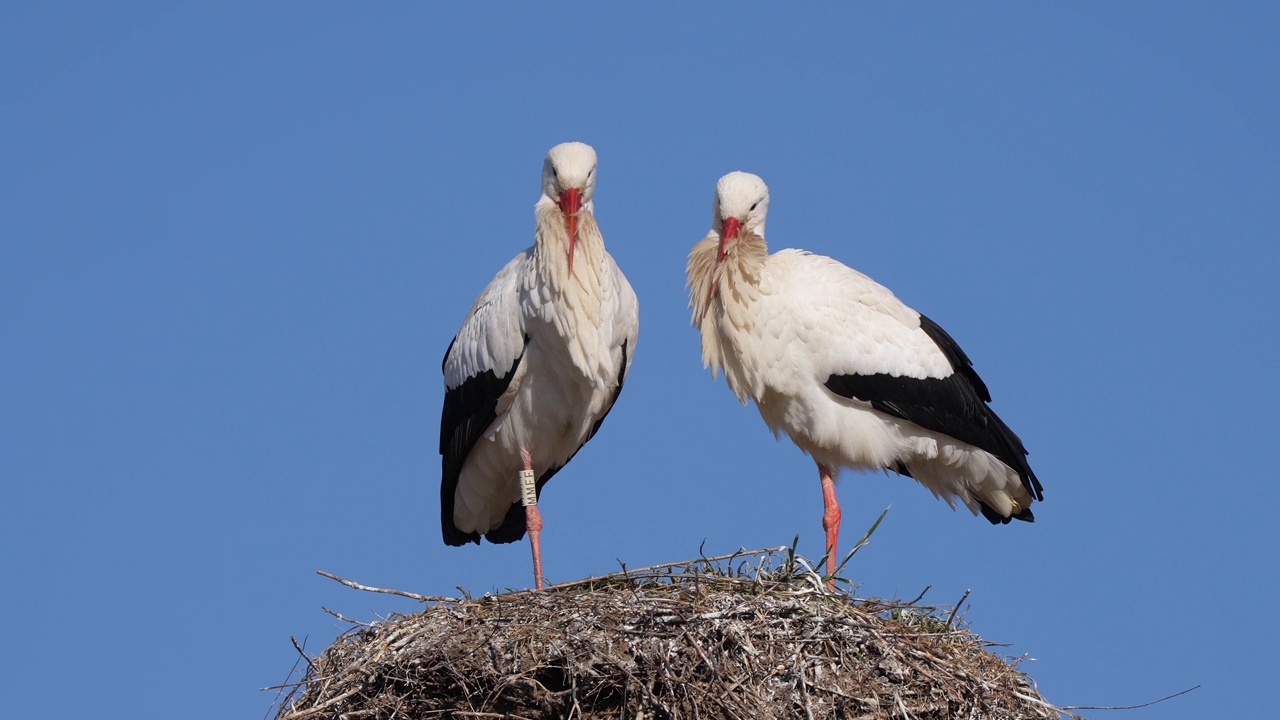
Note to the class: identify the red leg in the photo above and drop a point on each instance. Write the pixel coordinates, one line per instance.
(533, 520)
(533, 523)
(830, 521)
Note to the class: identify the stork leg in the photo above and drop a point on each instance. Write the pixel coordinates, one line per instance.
(532, 518)
(830, 521)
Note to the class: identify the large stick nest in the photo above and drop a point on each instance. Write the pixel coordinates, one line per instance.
(753, 635)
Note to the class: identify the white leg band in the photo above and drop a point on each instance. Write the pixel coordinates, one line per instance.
(528, 489)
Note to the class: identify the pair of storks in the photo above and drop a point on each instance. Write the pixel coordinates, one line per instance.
(854, 377)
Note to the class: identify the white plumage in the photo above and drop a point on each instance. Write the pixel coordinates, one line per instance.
(538, 363)
(854, 377)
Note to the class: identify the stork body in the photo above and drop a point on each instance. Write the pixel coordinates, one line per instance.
(851, 374)
(538, 363)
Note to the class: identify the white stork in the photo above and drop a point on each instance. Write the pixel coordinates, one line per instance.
(538, 363)
(856, 378)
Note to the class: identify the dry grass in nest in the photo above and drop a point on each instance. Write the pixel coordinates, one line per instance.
(750, 635)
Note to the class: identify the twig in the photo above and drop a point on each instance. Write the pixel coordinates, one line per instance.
(1130, 707)
(956, 609)
(401, 593)
(902, 708)
(280, 688)
(804, 694)
(920, 597)
(301, 652)
(1047, 705)
(324, 705)
(344, 619)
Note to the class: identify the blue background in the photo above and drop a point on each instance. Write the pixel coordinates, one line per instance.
(236, 239)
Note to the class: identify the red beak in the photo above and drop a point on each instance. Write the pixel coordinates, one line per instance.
(570, 204)
(730, 232)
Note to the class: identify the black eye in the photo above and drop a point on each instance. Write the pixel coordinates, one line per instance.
(753, 206)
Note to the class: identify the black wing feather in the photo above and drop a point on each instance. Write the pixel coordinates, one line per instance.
(468, 411)
(955, 405)
(513, 525)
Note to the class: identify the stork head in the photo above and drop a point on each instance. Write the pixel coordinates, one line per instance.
(737, 230)
(742, 202)
(569, 181)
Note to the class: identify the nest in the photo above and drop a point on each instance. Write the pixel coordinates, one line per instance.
(751, 635)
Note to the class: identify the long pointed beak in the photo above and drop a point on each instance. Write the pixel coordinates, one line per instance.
(730, 232)
(732, 226)
(570, 204)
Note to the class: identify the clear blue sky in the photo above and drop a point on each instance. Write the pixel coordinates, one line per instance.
(235, 240)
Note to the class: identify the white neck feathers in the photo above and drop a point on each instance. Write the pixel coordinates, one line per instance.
(572, 303)
(721, 295)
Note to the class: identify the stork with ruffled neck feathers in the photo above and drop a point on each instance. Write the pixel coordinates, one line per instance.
(852, 375)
